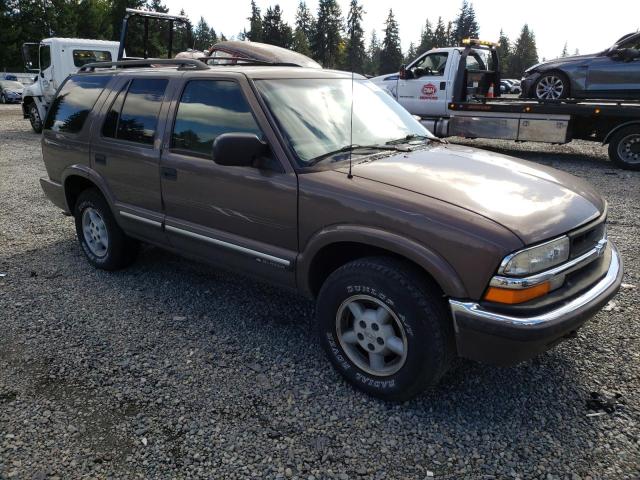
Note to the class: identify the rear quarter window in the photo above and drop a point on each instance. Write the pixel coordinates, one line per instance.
(74, 102)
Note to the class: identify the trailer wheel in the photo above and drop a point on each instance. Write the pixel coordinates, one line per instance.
(624, 148)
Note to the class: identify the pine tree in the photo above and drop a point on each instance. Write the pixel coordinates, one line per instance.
(440, 35)
(411, 54)
(466, 25)
(303, 31)
(255, 24)
(201, 35)
(525, 53)
(451, 37)
(391, 54)
(274, 29)
(355, 54)
(504, 52)
(372, 64)
(327, 37)
(426, 38)
(565, 51)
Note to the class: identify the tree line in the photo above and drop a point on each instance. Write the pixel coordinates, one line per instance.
(327, 35)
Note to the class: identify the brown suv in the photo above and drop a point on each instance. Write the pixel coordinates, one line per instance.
(416, 251)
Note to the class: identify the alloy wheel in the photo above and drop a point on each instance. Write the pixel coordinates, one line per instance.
(371, 335)
(550, 87)
(95, 232)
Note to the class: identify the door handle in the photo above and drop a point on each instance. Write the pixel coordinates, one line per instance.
(169, 173)
(101, 159)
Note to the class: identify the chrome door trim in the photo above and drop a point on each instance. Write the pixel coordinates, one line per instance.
(230, 246)
(148, 221)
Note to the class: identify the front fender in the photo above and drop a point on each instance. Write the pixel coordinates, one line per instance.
(441, 271)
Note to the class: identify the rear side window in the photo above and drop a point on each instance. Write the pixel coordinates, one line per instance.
(82, 57)
(134, 113)
(207, 109)
(75, 100)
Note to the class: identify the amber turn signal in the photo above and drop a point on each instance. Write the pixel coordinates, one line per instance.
(512, 296)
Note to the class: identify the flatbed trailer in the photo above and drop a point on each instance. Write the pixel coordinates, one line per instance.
(452, 99)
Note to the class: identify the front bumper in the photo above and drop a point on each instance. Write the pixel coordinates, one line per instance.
(500, 339)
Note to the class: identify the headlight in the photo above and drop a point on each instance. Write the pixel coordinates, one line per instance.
(536, 259)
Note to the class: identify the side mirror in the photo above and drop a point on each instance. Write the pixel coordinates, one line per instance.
(238, 149)
(403, 72)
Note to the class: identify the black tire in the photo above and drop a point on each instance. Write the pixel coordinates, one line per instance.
(3, 99)
(547, 75)
(34, 118)
(415, 302)
(121, 251)
(624, 148)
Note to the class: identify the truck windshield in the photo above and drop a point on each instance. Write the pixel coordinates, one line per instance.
(315, 116)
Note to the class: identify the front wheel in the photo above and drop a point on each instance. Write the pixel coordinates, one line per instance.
(3, 99)
(624, 148)
(34, 118)
(384, 328)
(551, 86)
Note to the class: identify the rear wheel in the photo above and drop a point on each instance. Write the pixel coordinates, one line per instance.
(551, 86)
(34, 118)
(103, 242)
(384, 328)
(624, 148)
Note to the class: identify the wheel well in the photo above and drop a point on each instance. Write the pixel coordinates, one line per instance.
(26, 101)
(73, 187)
(554, 71)
(333, 256)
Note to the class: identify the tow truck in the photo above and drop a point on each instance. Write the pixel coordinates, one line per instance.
(54, 59)
(455, 92)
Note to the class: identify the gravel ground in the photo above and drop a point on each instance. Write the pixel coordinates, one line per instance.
(175, 370)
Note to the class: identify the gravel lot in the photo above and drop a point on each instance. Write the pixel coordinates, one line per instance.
(175, 370)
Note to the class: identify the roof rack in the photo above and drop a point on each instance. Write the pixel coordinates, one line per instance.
(186, 63)
(247, 61)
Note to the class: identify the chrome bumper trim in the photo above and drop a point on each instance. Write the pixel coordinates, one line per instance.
(564, 269)
(473, 309)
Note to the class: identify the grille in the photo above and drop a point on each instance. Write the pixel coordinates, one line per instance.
(584, 241)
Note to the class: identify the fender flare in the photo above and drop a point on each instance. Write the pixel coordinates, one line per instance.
(434, 264)
(84, 171)
(613, 131)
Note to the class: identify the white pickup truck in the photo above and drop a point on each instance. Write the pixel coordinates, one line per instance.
(448, 89)
(52, 60)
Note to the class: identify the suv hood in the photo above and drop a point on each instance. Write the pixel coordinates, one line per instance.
(534, 202)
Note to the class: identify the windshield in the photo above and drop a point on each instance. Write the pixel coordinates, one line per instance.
(10, 84)
(315, 115)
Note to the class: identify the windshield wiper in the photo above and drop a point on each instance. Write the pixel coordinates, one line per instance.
(351, 148)
(408, 138)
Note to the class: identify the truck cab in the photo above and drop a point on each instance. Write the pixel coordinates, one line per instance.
(427, 85)
(53, 60)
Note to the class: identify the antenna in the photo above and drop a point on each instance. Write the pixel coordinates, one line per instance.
(350, 175)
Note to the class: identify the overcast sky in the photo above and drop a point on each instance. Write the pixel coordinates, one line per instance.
(588, 25)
